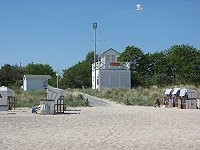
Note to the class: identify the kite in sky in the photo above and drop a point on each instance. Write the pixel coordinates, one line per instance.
(139, 7)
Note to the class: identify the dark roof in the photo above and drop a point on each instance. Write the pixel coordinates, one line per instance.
(37, 76)
(111, 50)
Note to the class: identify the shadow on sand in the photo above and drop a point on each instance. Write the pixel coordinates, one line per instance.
(70, 112)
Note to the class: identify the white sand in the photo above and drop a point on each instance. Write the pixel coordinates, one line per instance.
(102, 128)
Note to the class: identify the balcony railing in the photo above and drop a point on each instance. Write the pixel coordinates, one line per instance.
(112, 65)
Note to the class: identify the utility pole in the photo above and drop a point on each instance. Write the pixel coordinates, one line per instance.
(95, 27)
(57, 78)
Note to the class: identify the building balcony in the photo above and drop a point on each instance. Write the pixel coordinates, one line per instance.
(111, 65)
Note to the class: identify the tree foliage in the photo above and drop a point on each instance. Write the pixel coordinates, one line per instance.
(80, 74)
(10, 75)
(90, 57)
(42, 69)
(133, 55)
(39, 69)
(180, 64)
(183, 62)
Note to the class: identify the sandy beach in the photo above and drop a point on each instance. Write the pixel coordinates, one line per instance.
(102, 128)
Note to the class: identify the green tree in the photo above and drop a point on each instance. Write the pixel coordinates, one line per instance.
(80, 74)
(182, 63)
(39, 69)
(11, 75)
(77, 76)
(133, 55)
(42, 69)
(156, 68)
(90, 57)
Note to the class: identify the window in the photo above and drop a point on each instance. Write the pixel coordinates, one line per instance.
(113, 58)
(45, 83)
(107, 57)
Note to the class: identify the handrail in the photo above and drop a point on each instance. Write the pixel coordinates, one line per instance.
(112, 65)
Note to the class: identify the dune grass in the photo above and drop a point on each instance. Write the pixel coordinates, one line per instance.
(32, 98)
(137, 96)
(74, 99)
(29, 99)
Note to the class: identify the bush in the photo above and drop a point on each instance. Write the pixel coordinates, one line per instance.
(29, 98)
(33, 98)
(74, 99)
(138, 96)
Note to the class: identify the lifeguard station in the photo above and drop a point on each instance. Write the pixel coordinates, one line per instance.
(54, 101)
(109, 72)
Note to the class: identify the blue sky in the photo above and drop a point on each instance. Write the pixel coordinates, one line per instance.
(59, 32)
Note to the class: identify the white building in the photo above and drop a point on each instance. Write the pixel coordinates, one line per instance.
(35, 82)
(7, 98)
(110, 73)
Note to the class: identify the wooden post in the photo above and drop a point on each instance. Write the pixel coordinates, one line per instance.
(127, 102)
(14, 103)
